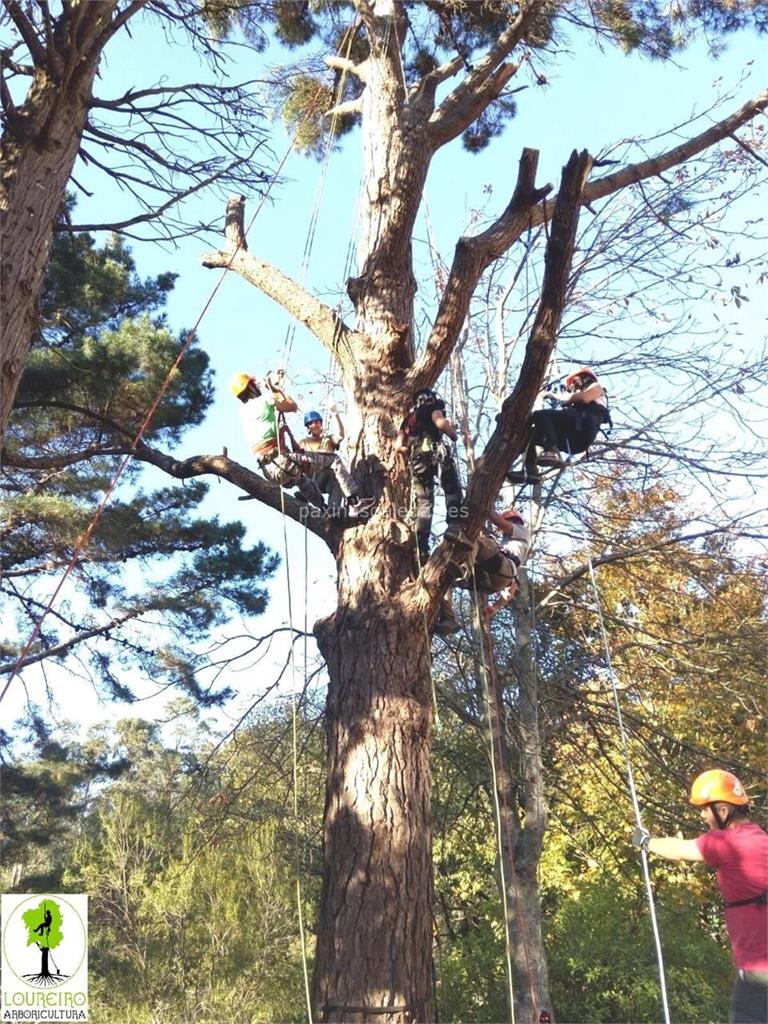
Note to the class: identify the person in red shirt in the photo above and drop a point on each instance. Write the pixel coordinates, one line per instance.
(738, 849)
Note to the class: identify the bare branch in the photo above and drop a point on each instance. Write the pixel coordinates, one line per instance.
(320, 319)
(671, 158)
(142, 218)
(484, 83)
(15, 461)
(27, 33)
(507, 439)
(67, 645)
(248, 481)
(626, 554)
(471, 258)
(453, 123)
(344, 64)
(119, 20)
(354, 106)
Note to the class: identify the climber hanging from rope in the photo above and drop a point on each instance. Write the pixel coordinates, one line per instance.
(738, 849)
(571, 428)
(427, 438)
(263, 402)
(491, 567)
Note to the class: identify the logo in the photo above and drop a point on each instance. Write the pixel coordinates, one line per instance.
(44, 957)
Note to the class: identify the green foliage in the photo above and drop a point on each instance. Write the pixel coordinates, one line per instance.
(441, 30)
(40, 932)
(602, 959)
(306, 100)
(101, 357)
(192, 881)
(43, 797)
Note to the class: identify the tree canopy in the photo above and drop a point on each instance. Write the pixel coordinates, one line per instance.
(102, 352)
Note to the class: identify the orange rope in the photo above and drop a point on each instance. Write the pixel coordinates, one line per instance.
(88, 532)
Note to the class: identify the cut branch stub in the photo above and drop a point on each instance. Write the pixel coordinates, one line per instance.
(317, 317)
(507, 440)
(234, 226)
(471, 258)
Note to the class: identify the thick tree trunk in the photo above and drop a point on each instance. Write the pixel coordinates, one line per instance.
(37, 154)
(374, 951)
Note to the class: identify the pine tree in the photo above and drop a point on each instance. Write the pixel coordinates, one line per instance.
(418, 76)
(95, 368)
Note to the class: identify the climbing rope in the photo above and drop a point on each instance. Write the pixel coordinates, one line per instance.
(309, 242)
(295, 733)
(627, 760)
(500, 830)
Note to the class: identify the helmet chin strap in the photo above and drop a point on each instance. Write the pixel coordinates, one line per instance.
(725, 822)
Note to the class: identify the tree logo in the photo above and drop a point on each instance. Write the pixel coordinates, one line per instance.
(45, 956)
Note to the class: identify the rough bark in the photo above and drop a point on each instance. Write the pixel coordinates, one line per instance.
(37, 153)
(374, 951)
(374, 932)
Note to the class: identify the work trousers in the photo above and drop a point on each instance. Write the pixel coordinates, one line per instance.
(425, 466)
(572, 429)
(327, 467)
(287, 469)
(749, 999)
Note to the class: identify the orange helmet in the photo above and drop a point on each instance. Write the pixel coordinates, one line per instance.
(512, 515)
(585, 371)
(717, 785)
(239, 383)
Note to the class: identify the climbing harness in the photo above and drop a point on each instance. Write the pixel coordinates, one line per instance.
(758, 901)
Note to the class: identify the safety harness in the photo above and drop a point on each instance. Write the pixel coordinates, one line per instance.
(759, 901)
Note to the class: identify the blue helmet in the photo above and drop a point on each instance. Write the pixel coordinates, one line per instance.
(312, 417)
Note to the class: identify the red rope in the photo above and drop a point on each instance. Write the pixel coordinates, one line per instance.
(88, 532)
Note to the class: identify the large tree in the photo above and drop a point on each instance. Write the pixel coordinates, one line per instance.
(417, 76)
(373, 956)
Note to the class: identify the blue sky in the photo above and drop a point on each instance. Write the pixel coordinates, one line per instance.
(595, 97)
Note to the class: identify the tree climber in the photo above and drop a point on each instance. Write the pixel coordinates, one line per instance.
(261, 403)
(325, 445)
(491, 568)
(738, 849)
(45, 924)
(571, 429)
(515, 547)
(424, 439)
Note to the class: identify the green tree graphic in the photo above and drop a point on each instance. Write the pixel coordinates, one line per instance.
(44, 930)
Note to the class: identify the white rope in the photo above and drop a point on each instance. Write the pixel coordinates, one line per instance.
(630, 774)
(477, 615)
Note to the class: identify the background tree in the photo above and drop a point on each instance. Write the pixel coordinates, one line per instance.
(96, 365)
(160, 142)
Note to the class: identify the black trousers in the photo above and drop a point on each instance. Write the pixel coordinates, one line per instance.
(425, 467)
(749, 999)
(572, 429)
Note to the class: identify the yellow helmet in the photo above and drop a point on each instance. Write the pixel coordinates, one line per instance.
(717, 785)
(239, 383)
